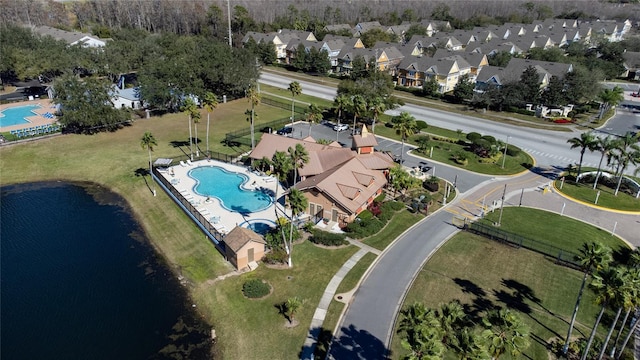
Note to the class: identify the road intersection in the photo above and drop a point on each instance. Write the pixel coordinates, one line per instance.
(365, 330)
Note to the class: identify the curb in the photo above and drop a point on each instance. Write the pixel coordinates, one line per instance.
(375, 262)
(593, 206)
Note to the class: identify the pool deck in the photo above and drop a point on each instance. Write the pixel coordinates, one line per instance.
(221, 218)
(46, 106)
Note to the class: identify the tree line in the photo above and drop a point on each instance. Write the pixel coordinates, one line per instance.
(210, 18)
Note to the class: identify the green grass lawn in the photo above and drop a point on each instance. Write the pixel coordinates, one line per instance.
(444, 151)
(560, 231)
(400, 222)
(251, 329)
(483, 273)
(607, 199)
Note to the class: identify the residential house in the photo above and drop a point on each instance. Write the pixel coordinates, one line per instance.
(363, 27)
(125, 98)
(413, 72)
(631, 65)
(399, 31)
(71, 37)
(496, 76)
(434, 26)
(243, 246)
(475, 60)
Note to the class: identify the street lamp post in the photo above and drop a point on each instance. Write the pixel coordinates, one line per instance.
(504, 156)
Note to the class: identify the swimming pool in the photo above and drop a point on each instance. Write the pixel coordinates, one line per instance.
(259, 226)
(17, 115)
(230, 188)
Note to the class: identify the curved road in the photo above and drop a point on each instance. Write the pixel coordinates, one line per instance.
(366, 328)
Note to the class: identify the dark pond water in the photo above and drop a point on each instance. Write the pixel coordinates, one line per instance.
(79, 281)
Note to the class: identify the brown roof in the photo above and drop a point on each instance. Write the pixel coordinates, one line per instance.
(344, 184)
(237, 238)
(364, 139)
(376, 160)
(321, 157)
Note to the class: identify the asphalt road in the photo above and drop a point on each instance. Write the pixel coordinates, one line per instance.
(550, 148)
(381, 294)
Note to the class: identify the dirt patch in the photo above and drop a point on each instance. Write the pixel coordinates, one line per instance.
(291, 324)
(329, 247)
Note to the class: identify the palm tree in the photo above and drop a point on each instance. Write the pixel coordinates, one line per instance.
(341, 102)
(604, 146)
(210, 103)
(633, 282)
(606, 283)
(298, 204)
(314, 115)
(468, 345)
(593, 256)
(295, 90)
(629, 299)
(148, 142)
(299, 157)
(378, 106)
(610, 98)
(282, 165)
(254, 98)
(625, 153)
(293, 304)
(450, 315)
(422, 332)
(358, 106)
(505, 332)
(191, 109)
(586, 141)
(405, 126)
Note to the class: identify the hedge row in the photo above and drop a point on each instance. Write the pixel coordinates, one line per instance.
(327, 238)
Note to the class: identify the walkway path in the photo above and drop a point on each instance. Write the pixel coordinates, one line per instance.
(327, 296)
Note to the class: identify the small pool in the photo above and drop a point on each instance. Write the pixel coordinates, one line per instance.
(259, 226)
(17, 115)
(230, 188)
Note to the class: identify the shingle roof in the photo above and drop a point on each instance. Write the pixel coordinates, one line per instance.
(343, 184)
(364, 139)
(237, 238)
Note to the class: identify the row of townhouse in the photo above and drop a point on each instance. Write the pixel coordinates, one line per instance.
(446, 55)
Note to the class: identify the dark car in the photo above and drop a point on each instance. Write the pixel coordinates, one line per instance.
(285, 131)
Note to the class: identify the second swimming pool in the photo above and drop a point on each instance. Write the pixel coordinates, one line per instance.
(228, 187)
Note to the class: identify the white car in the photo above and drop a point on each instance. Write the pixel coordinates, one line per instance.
(341, 127)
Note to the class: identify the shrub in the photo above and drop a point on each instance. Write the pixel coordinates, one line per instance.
(513, 150)
(276, 256)
(473, 136)
(374, 208)
(421, 125)
(364, 228)
(490, 139)
(365, 215)
(380, 198)
(255, 288)
(326, 238)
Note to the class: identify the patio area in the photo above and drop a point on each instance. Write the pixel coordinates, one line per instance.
(211, 208)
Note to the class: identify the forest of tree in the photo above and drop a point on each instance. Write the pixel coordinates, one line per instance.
(209, 17)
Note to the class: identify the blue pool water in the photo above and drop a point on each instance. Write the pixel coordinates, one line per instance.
(260, 226)
(226, 186)
(17, 115)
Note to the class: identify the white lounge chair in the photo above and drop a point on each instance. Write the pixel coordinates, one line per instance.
(182, 164)
(269, 179)
(189, 162)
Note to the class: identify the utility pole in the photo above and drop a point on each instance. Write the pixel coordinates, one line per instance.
(229, 21)
(502, 205)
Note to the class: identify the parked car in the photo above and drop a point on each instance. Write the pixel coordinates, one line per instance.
(285, 131)
(341, 127)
